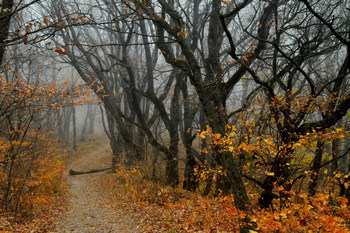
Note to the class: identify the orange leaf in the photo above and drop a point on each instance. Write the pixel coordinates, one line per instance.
(60, 51)
(226, 3)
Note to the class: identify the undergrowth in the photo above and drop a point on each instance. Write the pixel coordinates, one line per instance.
(36, 198)
(166, 209)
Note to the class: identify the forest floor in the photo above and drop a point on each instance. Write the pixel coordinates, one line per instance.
(91, 207)
(128, 201)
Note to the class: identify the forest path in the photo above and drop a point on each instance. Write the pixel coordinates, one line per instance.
(90, 207)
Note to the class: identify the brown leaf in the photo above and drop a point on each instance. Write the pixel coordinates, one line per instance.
(60, 51)
(45, 21)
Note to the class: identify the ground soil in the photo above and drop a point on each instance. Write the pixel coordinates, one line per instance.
(91, 207)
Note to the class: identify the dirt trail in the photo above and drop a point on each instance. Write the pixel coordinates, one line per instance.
(90, 207)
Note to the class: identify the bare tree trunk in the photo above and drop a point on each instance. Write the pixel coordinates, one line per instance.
(92, 117)
(59, 116)
(104, 123)
(208, 157)
(113, 140)
(74, 129)
(190, 179)
(315, 169)
(83, 132)
(66, 125)
(335, 152)
(6, 196)
(5, 19)
(172, 163)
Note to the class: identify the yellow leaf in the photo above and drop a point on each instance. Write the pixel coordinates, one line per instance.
(269, 173)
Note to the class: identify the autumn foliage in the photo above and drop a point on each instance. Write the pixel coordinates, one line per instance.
(293, 207)
(38, 188)
(243, 103)
(31, 165)
(163, 208)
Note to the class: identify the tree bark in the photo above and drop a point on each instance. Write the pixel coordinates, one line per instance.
(315, 169)
(85, 125)
(5, 19)
(74, 129)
